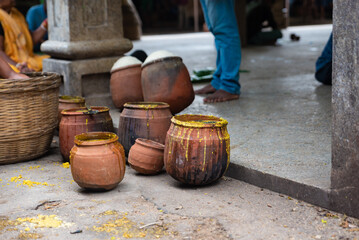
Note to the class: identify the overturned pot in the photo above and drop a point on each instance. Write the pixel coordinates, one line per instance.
(165, 78)
(146, 156)
(125, 81)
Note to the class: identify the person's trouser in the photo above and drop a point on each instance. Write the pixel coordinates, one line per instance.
(324, 75)
(221, 21)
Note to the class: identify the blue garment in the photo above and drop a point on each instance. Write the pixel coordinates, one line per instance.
(34, 17)
(221, 21)
(326, 57)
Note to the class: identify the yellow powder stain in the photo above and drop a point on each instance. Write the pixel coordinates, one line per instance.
(16, 179)
(34, 167)
(110, 212)
(188, 138)
(29, 236)
(66, 165)
(0, 180)
(30, 183)
(42, 221)
(204, 153)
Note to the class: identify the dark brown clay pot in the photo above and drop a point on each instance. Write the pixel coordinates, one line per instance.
(149, 120)
(97, 161)
(146, 156)
(69, 102)
(78, 120)
(167, 80)
(125, 82)
(197, 149)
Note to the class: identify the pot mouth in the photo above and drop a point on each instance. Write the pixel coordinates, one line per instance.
(160, 60)
(95, 138)
(84, 111)
(150, 143)
(71, 99)
(146, 105)
(199, 121)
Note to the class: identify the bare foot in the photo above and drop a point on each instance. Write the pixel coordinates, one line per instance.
(205, 90)
(220, 96)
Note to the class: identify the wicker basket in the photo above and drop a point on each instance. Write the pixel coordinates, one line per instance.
(28, 116)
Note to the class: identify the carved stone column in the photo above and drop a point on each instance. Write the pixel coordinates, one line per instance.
(85, 38)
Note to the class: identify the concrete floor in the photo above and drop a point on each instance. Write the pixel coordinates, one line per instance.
(281, 125)
(228, 209)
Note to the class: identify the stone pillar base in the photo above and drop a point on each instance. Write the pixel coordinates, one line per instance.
(88, 78)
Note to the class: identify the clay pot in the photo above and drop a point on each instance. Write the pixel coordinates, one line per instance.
(79, 120)
(146, 156)
(197, 149)
(97, 161)
(166, 79)
(149, 120)
(125, 81)
(68, 102)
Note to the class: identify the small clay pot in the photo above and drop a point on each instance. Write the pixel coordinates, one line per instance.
(97, 161)
(149, 120)
(166, 79)
(197, 149)
(68, 102)
(125, 81)
(80, 120)
(146, 156)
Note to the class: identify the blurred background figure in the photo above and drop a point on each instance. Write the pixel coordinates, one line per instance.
(35, 17)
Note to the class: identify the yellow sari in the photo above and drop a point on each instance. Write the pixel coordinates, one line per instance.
(18, 42)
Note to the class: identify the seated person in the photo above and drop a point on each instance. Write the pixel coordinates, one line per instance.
(259, 15)
(323, 66)
(7, 73)
(35, 17)
(16, 42)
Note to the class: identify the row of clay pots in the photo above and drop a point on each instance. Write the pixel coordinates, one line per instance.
(163, 77)
(197, 152)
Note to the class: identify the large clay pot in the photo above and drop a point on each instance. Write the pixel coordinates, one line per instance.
(197, 149)
(166, 79)
(80, 120)
(146, 156)
(69, 102)
(97, 161)
(149, 120)
(125, 81)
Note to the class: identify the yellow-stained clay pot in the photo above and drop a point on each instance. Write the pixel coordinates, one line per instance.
(197, 149)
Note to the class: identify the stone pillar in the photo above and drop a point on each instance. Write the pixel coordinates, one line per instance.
(345, 98)
(85, 38)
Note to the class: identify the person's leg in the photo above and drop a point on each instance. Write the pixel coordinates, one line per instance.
(215, 83)
(324, 75)
(224, 27)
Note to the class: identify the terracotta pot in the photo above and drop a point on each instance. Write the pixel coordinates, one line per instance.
(69, 102)
(97, 161)
(146, 156)
(166, 79)
(149, 120)
(125, 81)
(197, 149)
(78, 120)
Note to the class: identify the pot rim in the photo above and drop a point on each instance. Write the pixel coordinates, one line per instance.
(122, 68)
(150, 143)
(71, 99)
(160, 60)
(78, 111)
(199, 121)
(146, 105)
(95, 138)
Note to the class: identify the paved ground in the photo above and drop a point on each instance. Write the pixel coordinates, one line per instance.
(228, 209)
